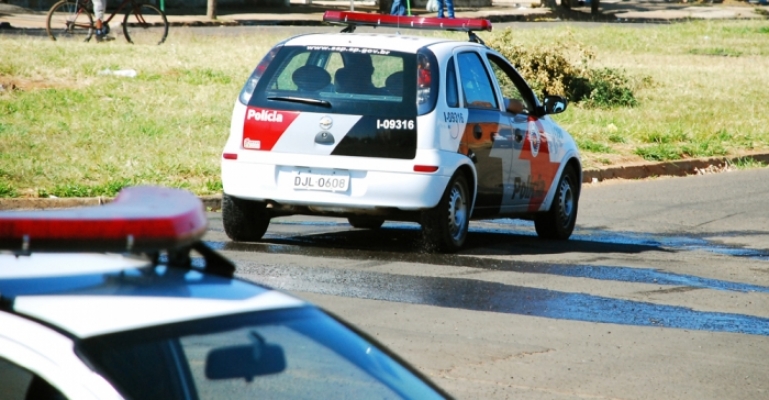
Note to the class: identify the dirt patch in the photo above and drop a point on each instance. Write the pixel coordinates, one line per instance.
(596, 160)
(9, 85)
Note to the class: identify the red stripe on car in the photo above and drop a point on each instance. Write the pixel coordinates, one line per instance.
(262, 127)
(543, 171)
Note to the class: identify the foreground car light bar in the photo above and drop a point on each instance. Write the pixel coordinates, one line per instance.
(142, 218)
(412, 22)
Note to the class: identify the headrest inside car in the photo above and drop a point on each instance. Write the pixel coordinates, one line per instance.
(311, 78)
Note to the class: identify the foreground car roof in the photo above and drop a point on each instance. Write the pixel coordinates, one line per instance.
(110, 293)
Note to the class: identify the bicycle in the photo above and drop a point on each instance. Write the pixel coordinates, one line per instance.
(73, 20)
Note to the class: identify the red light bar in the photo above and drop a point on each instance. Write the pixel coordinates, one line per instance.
(411, 22)
(142, 218)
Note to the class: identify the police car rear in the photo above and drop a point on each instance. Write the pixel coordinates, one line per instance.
(376, 127)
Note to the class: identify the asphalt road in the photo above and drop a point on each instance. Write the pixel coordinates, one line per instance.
(662, 293)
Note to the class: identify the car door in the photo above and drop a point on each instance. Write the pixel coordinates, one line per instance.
(485, 125)
(532, 169)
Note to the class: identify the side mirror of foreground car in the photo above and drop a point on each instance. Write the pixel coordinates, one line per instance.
(555, 104)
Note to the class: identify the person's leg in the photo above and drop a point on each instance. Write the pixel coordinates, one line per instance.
(440, 8)
(398, 8)
(98, 11)
(450, 8)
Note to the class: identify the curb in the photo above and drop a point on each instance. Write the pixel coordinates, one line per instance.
(697, 166)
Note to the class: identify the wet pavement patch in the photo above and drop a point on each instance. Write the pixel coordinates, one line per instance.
(677, 242)
(598, 272)
(642, 275)
(513, 236)
(400, 242)
(470, 294)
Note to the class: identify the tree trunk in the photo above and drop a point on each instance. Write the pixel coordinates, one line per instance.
(211, 9)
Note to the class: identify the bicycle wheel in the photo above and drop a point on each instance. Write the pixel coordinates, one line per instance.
(68, 20)
(145, 24)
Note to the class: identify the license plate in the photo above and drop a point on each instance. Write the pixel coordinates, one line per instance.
(336, 181)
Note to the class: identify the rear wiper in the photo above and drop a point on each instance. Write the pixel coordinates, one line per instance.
(323, 103)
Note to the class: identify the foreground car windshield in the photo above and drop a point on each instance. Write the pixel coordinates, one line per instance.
(295, 353)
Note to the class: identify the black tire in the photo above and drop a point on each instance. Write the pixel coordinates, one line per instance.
(444, 228)
(68, 20)
(558, 222)
(145, 24)
(244, 220)
(365, 222)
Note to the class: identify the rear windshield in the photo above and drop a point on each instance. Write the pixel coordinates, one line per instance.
(342, 80)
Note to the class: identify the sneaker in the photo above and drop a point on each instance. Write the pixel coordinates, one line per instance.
(102, 36)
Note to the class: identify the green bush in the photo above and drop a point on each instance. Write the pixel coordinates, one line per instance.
(109, 189)
(551, 70)
(609, 88)
(6, 190)
(593, 146)
(659, 152)
(548, 69)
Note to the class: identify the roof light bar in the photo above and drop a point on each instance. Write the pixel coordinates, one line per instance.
(142, 218)
(411, 22)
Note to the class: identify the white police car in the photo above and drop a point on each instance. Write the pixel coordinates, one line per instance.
(151, 322)
(377, 127)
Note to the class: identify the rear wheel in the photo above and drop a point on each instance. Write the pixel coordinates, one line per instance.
(145, 24)
(444, 228)
(68, 20)
(244, 220)
(365, 222)
(558, 223)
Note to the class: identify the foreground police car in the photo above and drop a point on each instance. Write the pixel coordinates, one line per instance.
(150, 322)
(377, 127)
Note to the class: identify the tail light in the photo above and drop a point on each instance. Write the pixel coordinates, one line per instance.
(427, 82)
(426, 168)
(248, 89)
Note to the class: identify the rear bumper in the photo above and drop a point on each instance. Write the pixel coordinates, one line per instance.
(369, 189)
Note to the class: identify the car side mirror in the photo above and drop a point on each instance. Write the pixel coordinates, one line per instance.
(555, 104)
(247, 361)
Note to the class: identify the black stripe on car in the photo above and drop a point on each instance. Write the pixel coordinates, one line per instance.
(383, 137)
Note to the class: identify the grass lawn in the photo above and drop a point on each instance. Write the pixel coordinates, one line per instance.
(66, 130)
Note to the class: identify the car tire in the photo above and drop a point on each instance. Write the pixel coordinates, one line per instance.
(558, 222)
(365, 222)
(444, 228)
(244, 220)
